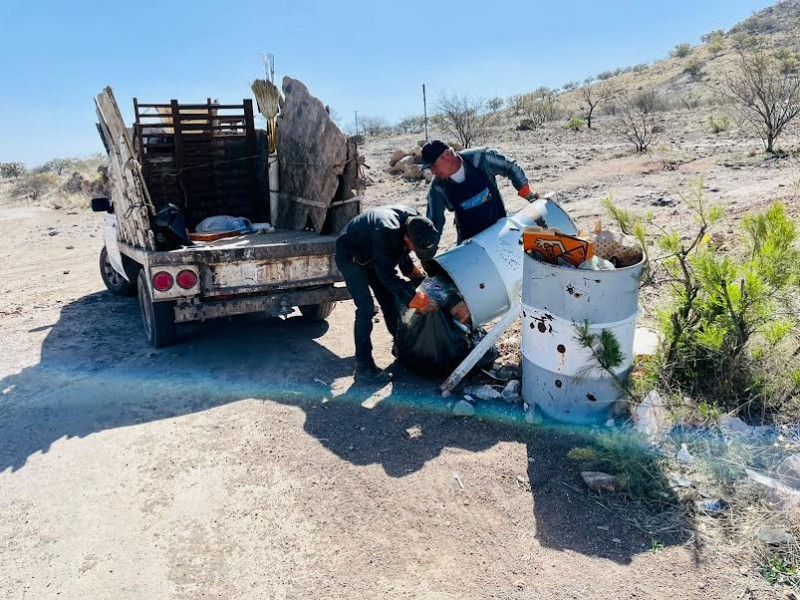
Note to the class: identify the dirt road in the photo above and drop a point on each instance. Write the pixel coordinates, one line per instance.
(242, 464)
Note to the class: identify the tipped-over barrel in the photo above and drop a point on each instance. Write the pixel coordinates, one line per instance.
(487, 269)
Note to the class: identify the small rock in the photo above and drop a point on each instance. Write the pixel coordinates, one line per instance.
(484, 392)
(685, 456)
(774, 535)
(397, 155)
(600, 482)
(414, 432)
(463, 409)
(734, 425)
(663, 202)
(65, 272)
(447, 394)
(712, 506)
(70, 247)
(616, 540)
(52, 232)
(511, 392)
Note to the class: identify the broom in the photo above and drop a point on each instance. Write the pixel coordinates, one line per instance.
(268, 100)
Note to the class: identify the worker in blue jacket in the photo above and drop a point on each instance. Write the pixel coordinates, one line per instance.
(464, 183)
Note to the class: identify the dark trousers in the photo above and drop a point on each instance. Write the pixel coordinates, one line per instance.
(359, 280)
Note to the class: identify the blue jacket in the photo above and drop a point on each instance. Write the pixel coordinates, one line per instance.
(492, 163)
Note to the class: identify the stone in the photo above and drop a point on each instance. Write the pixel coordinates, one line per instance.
(775, 535)
(396, 156)
(463, 409)
(598, 481)
(652, 418)
(484, 392)
(312, 154)
(511, 392)
(663, 202)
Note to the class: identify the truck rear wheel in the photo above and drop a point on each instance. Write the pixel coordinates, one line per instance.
(317, 312)
(158, 317)
(116, 283)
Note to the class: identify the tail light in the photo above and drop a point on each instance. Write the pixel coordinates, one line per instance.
(186, 279)
(162, 281)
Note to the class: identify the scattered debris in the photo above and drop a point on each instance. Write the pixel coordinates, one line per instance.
(652, 418)
(463, 409)
(457, 477)
(663, 202)
(681, 481)
(321, 382)
(52, 232)
(711, 506)
(685, 456)
(789, 470)
(600, 482)
(775, 535)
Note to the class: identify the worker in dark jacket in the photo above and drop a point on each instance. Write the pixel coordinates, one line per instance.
(368, 252)
(464, 183)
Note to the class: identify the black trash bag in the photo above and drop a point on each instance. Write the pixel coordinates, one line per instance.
(169, 227)
(432, 344)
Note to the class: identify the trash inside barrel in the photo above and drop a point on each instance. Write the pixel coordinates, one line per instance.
(567, 283)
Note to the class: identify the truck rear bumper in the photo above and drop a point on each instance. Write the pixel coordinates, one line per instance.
(198, 309)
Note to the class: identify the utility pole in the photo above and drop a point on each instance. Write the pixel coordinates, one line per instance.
(356, 122)
(425, 111)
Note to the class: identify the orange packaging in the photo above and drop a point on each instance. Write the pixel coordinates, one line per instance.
(556, 248)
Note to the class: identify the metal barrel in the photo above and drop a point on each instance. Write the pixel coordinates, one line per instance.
(559, 375)
(487, 268)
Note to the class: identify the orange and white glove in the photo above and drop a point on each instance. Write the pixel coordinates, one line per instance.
(525, 192)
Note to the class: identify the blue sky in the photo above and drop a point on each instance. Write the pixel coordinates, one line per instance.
(367, 56)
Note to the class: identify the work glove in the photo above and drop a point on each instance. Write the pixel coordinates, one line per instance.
(532, 196)
(525, 192)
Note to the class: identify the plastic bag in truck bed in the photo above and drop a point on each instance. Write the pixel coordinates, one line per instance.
(431, 344)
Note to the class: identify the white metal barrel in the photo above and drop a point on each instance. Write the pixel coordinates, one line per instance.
(559, 375)
(487, 268)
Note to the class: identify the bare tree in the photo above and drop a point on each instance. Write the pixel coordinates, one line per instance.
(372, 126)
(11, 169)
(465, 117)
(636, 119)
(765, 90)
(592, 96)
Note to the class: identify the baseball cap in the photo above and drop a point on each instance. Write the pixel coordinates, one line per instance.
(424, 236)
(431, 151)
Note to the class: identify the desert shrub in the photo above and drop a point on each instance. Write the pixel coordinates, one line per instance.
(640, 68)
(35, 185)
(56, 165)
(712, 35)
(12, 169)
(464, 117)
(537, 108)
(764, 92)
(495, 104)
(681, 50)
(715, 47)
(594, 95)
(605, 75)
(570, 86)
(718, 124)
(575, 124)
(372, 126)
(412, 124)
(694, 69)
(635, 117)
(730, 326)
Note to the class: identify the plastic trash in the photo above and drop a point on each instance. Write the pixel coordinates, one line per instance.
(262, 228)
(596, 264)
(224, 223)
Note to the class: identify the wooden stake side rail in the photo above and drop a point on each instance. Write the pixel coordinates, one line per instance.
(132, 204)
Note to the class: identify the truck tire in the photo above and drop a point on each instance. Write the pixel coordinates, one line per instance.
(317, 312)
(116, 283)
(158, 318)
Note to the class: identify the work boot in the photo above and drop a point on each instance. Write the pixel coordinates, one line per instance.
(370, 373)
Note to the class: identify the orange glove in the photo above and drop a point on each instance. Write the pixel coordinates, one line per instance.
(525, 192)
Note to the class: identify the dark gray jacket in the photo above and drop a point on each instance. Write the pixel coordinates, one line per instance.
(492, 163)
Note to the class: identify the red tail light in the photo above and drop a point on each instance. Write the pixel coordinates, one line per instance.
(186, 279)
(162, 281)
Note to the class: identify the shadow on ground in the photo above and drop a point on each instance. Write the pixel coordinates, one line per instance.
(96, 373)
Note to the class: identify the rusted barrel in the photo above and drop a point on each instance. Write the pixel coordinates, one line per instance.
(559, 375)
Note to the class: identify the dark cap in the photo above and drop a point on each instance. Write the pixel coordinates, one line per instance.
(424, 237)
(432, 151)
